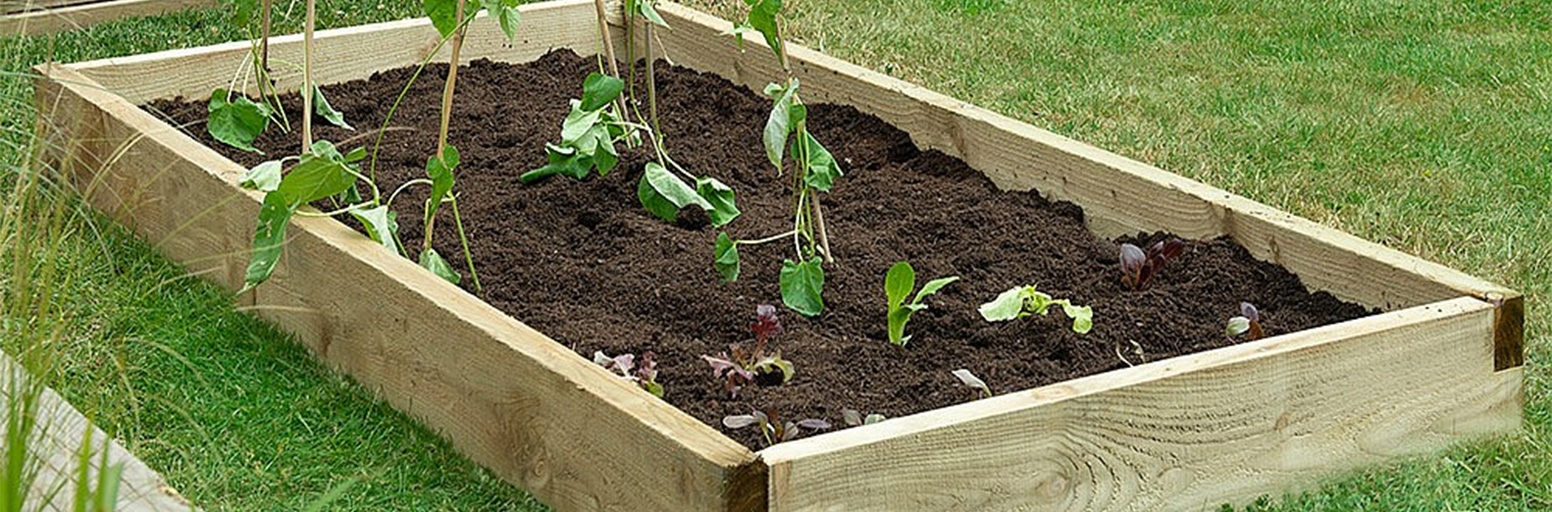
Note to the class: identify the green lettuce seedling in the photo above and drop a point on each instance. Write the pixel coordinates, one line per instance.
(1024, 301)
(898, 284)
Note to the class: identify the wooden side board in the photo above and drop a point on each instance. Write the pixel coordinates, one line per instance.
(75, 14)
(515, 401)
(1118, 194)
(60, 435)
(1189, 433)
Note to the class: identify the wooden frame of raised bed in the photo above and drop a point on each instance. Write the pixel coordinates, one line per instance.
(1443, 363)
(49, 16)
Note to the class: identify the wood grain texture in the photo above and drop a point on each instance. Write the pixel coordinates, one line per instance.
(343, 54)
(1188, 433)
(1118, 195)
(58, 438)
(513, 400)
(73, 15)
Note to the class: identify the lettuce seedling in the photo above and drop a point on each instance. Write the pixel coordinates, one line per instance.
(771, 426)
(898, 284)
(973, 382)
(1249, 321)
(1138, 267)
(854, 418)
(737, 368)
(643, 372)
(1024, 301)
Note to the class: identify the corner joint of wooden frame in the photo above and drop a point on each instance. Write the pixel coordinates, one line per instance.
(1508, 329)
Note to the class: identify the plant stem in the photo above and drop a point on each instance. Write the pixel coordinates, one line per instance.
(824, 239)
(608, 40)
(447, 110)
(307, 77)
(630, 55)
(464, 239)
(383, 130)
(657, 131)
(264, 41)
(766, 240)
(452, 79)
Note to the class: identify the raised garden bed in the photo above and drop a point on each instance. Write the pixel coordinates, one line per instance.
(1440, 363)
(32, 17)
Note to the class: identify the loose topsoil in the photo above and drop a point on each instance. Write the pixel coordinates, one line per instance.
(585, 264)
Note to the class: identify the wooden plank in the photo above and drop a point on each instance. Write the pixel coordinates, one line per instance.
(1118, 194)
(1188, 433)
(535, 412)
(75, 15)
(58, 438)
(344, 54)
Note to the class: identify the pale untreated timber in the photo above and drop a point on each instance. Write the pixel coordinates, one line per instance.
(59, 16)
(343, 54)
(1187, 433)
(515, 401)
(58, 439)
(1118, 194)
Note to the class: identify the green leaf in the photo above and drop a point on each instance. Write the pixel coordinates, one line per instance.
(604, 155)
(382, 226)
(441, 172)
(563, 160)
(1007, 306)
(762, 16)
(1082, 316)
(507, 13)
(663, 193)
(578, 122)
(1237, 326)
(897, 320)
(821, 167)
(725, 258)
(802, 286)
(599, 90)
(434, 262)
(898, 283)
(242, 11)
(443, 14)
(236, 120)
(653, 387)
(316, 177)
(263, 177)
(649, 12)
(268, 239)
(720, 197)
(778, 126)
(323, 109)
(932, 287)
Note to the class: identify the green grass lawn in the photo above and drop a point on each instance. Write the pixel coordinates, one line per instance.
(1425, 125)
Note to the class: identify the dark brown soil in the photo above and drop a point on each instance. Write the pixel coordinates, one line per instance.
(584, 263)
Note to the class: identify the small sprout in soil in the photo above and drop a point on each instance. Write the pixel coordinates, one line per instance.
(1138, 267)
(854, 418)
(1249, 321)
(742, 367)
(1136, 350)
(970, 380)
(898, 284)
(772, 427)
(1024, 301)
(643, 372)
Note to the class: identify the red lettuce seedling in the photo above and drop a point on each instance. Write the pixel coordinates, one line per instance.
(1138, 268)
(771, 426)
(643, 372)
(737, 367)
(1249, 321)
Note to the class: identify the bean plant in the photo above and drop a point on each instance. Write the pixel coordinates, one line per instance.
(801, 279)
(324, 172)
(605, 117)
